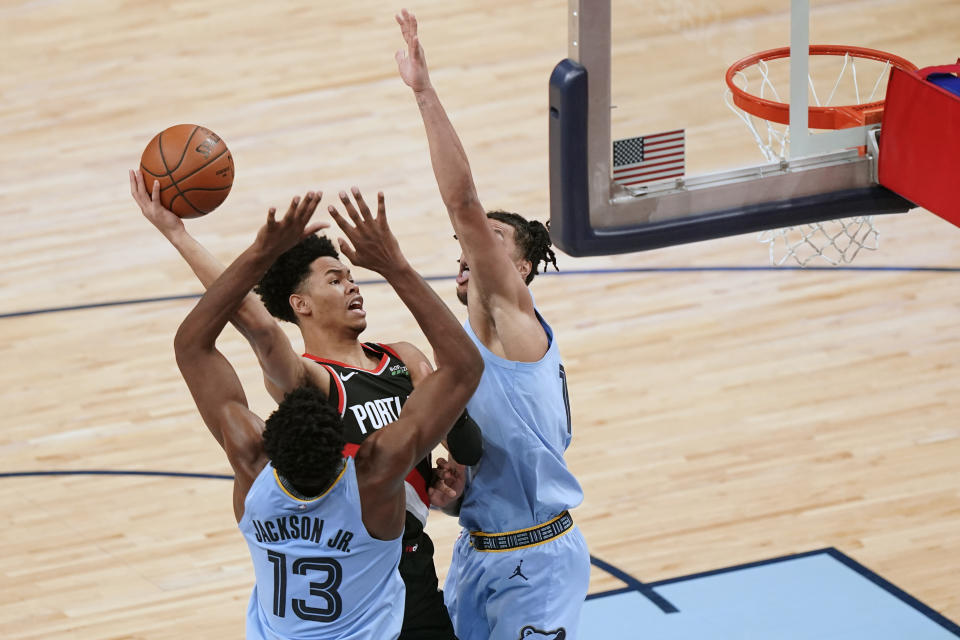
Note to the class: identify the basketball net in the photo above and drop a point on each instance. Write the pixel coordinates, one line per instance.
(833, 241)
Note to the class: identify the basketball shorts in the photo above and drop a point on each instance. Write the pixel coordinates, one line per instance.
(516, 593)
(425, 615)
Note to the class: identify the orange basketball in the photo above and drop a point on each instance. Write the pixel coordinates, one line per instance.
(194, 168)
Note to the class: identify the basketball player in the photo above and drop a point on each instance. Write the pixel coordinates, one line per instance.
(366, 382)
(520, 562)
(323, 529)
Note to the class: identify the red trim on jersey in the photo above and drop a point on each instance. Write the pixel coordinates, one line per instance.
(381, 366)
(419, 484)
(342, 403)
(389, 350)
(414, 478)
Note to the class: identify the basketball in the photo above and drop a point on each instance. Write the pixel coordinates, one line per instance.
(192, 165)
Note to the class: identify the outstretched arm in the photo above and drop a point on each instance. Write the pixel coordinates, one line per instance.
(212, 381)
(464, 442)
(282, 367)
(498, 282)
(386, 457)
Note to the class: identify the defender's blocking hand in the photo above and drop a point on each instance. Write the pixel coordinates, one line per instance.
(279, 235)
(412, 64)
(374, 245)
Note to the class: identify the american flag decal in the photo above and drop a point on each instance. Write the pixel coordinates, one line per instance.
(644, 159)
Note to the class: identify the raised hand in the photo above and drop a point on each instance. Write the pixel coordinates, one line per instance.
(159, 216)
(411, 63)
(374, 245)
(276, 236)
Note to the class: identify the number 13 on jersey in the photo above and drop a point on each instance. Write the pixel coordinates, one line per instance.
(324, 593)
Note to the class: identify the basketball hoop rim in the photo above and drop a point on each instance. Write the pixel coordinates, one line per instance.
(834, 117)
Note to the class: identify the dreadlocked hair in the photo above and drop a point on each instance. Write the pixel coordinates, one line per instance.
(533, 240)
(304, 438)
(289, 271)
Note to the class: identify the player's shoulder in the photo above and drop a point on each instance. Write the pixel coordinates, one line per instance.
(404, 351)
(316, 372)
(396, 349)
(410, 361)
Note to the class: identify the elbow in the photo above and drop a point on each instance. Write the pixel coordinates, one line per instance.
(181, 346)
(181, 343)
(474, 367)
(185, 343)
(462, 370)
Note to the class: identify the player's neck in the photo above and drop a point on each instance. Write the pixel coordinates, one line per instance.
(341, 347)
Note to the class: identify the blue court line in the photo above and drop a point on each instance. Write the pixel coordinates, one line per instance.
(632, 585)
(895, 591)
(571, 272)
(645, 589)
(847, 561)
(739, 567)
(97, 305)
(108, 472)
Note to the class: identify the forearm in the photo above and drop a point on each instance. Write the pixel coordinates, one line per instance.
(224, 297)
(251, 316)
(450, 343)
(203, 264)
(449, 160)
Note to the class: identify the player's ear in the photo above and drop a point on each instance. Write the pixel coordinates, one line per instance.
(299, 304)
(525, 267)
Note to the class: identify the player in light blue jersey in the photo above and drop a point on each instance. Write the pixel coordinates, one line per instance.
(324, 531)
(520, 567)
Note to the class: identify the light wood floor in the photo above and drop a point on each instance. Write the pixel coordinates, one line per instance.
(720, 417)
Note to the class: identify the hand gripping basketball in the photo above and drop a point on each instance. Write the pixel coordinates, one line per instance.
(193, 167)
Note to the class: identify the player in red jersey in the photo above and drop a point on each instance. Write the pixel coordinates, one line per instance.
(368, 382)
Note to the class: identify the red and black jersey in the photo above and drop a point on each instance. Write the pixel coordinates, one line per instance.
(367, 400)
(370, 399)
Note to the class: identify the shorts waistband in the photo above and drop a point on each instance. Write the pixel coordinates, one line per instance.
(522, 538)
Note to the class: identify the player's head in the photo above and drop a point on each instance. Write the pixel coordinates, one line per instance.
(527, 242)
(304, 440)
(309, 284)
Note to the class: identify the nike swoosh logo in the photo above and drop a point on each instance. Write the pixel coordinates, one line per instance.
(348, 376)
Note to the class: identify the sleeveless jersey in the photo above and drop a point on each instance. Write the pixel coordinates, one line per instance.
(369, 399)
(523, 411)
(319, 573)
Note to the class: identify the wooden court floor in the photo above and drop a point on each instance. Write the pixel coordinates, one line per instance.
(720, 416)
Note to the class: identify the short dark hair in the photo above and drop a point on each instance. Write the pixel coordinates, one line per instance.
(304, 438)
(289, 271)
(533, 240)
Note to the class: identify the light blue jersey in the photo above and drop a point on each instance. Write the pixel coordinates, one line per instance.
(527, 574)
(523, 411)
(319, 573)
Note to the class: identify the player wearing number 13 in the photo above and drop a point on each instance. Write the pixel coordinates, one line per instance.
(324, 531)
